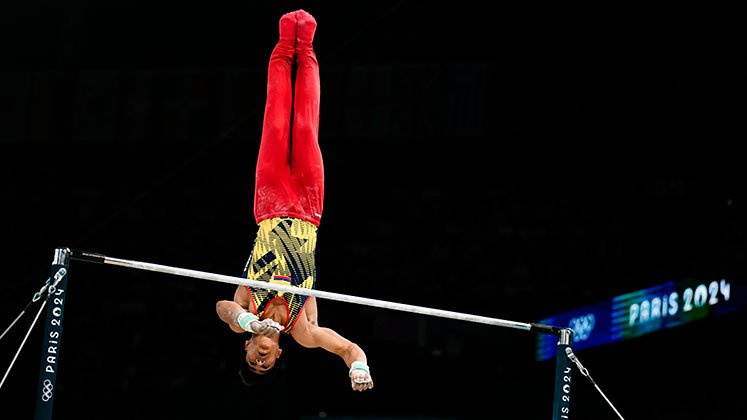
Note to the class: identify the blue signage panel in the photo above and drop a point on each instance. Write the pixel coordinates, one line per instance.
(633, 314)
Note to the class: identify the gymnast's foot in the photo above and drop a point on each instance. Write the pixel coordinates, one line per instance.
(306, 27)
(288, 26)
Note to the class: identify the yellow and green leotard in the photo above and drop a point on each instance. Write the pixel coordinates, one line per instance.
(283, 253)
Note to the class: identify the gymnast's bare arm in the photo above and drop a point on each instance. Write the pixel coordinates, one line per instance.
(310, 310)
(313, 336)
(229, 310)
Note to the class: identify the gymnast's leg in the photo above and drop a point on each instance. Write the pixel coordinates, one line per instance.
(307, 169)
(273, 163)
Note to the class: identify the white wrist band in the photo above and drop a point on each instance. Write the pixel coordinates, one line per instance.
(245, 320)
(358, 365)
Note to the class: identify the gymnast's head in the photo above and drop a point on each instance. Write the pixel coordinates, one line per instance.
(261, 354)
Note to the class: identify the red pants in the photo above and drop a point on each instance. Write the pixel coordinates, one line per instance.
(290, 173)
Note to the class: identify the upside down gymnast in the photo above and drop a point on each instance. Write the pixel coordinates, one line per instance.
(288, 201)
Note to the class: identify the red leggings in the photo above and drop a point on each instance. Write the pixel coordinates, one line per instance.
(290, 173)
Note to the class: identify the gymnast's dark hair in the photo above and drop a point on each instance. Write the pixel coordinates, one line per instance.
(252, 378)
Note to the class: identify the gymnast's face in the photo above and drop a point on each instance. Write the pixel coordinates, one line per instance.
(261, 353)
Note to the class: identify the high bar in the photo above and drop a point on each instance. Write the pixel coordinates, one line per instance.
(140, 265)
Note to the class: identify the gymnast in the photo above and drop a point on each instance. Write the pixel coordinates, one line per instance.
(288, 200)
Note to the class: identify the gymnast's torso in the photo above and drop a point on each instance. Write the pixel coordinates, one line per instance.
(283, 253)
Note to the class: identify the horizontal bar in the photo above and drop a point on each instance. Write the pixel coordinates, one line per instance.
(102, 259)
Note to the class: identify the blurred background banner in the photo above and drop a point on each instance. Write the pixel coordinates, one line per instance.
(633, 314)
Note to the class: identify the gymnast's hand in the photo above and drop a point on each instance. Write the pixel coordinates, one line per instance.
(266, 327)
(251, 323)
(360, 376)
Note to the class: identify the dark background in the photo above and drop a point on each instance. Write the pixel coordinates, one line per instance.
(506, 163)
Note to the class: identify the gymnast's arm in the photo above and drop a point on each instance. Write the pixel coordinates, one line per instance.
(313, 336)
(229, 310)
(310, 310)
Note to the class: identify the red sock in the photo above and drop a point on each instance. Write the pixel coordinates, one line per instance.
(288, 26)
(306, 27)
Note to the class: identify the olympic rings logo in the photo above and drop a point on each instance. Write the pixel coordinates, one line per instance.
(582, 326)
(47, 390)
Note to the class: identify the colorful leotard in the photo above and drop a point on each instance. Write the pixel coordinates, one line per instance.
(283, 253)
